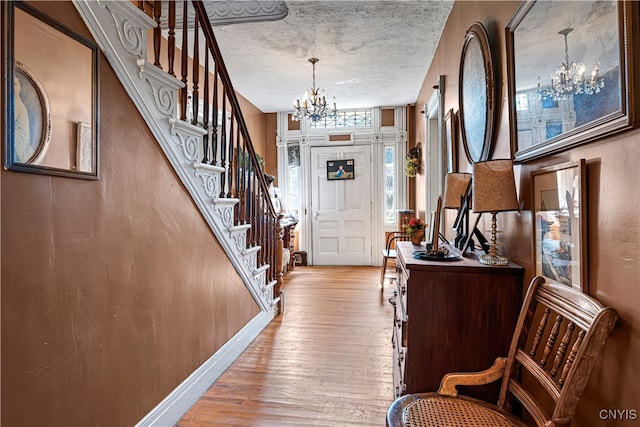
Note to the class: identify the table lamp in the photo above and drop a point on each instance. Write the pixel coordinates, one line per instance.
(455, 187)
(494, 190)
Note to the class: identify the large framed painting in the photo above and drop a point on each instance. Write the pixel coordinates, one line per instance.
(560, 223)
(571, 74)
(50, 103)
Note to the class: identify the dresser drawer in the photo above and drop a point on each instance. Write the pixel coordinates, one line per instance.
(446, 317)
(401, 293)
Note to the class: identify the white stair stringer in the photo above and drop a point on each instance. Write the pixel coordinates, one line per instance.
(120, 29)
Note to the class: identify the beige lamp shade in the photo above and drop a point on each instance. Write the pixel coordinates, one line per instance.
(494, 186)
(455, 186)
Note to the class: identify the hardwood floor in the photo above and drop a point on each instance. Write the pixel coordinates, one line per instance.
(325, 362)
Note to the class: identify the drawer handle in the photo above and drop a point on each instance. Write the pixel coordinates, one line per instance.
(392, 300)
(403, 338)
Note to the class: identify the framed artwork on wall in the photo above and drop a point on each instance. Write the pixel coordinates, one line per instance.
(32, 117)
(570, 83)
(451, 141)
(293, 155)
(50, 103)
(560, 223)
(340, 170)
(477, 89)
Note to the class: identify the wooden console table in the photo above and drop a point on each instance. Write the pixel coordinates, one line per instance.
(451, 316)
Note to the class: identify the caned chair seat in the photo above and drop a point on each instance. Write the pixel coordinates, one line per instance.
(559, 334)
(433, 410)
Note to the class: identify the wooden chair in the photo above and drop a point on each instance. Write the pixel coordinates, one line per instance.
(558, 337)
(389, 251)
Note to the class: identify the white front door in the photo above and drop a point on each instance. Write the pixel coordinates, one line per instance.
(341, 208)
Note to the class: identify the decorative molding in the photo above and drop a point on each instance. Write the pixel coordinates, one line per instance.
(163, 87)
(239, 235)
(177, 403)
(261, 274)
(231, 12)
(189, 138)
(210, 176)
(224, 210)
(281, 141)
(376, 137)
(401, 136)
(222, 12)
(304, 140)
(132, 27)
(270, 285)
(251, 256)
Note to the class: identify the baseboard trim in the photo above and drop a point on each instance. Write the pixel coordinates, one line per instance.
(177, 403)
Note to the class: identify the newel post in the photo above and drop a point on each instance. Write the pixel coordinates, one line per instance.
(278, 292)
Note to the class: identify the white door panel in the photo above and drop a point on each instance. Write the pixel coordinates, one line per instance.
(341, 209)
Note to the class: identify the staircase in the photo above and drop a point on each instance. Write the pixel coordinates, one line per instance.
(208, 146)
(206, 143)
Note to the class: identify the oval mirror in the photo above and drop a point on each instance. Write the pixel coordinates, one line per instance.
(477, 95)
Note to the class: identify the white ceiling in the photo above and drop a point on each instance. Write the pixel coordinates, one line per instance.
(372, 52)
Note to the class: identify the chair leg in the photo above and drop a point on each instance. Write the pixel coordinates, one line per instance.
(384, 270)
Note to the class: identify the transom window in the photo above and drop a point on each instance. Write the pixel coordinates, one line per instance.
(344, 119)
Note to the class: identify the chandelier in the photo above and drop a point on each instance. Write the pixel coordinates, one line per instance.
(570, 77)
(313, 105)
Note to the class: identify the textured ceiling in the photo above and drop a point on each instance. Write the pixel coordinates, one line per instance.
(372, 53)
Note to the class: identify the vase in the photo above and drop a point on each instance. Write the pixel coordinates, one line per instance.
(417, 236)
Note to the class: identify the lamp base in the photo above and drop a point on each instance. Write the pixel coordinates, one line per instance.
(493, 260)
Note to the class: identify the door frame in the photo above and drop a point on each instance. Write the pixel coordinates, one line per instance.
(374, 193)
(435, 153)
(376, 136)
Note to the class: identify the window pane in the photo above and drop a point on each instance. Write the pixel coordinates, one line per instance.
(294, 192)
(389, 185)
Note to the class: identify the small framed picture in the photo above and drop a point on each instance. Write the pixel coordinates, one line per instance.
(451, 141)
(339, 169)
(293, 155)
(560, 223)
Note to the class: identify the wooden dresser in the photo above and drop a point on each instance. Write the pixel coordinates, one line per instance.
(451, 316)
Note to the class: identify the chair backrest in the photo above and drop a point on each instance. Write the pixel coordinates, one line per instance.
(558, 337)
(395, 236)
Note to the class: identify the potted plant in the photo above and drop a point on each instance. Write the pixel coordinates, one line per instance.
(413, 163)
(415, 228)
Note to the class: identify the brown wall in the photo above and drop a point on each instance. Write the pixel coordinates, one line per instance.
(256, 124)
(113, 291)
(613, 169)
(271, 150)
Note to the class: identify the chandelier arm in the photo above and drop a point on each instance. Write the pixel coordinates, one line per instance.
(566, 52)
(313, 86)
